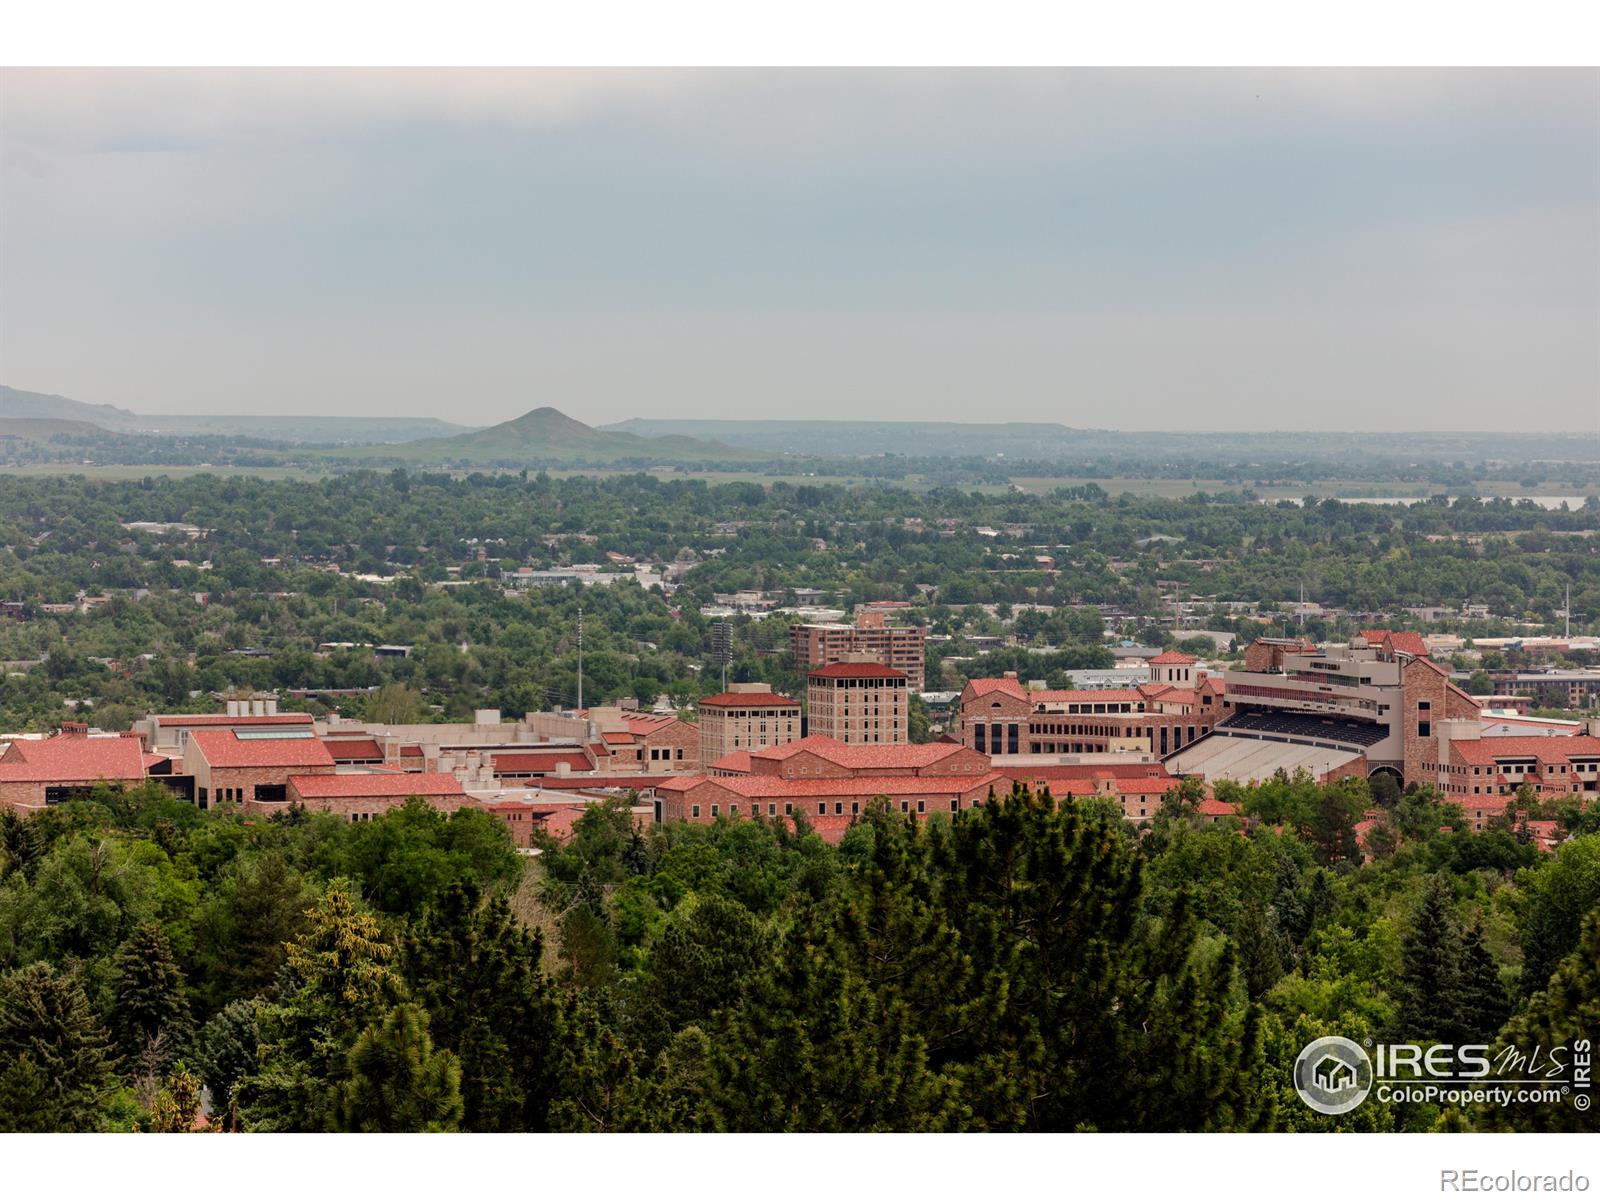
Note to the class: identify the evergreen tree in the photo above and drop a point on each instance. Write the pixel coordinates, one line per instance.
(476, 972)
(338, 982)
(1430, 969)
(1485, 1003)
(398, 1082)
(225, 1049)
(702, 960)
(150, 1013)
(56, 1058)
(176, 1108)
(1565, 1012)
(244, 925)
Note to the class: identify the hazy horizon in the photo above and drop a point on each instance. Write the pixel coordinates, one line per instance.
(1119, 249)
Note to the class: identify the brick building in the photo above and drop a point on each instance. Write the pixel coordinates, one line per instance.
(830, 784)
(869, 638)
(366, 795)
(170, 731)
(1178, 705)
(858, 703)
(36, 772)
(230, 766)
(634, 741)
(748, 716)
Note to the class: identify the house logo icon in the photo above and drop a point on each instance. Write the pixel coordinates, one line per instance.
(1333, 1075)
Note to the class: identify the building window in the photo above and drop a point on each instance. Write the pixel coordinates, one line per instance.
(955, 804)
(905, 806)
(922, 806)
(855, 808)
(788, 808)
(694, 810)
(772, 809)
(838, 808)
(714, 810)
(822, 809)
(733, 810)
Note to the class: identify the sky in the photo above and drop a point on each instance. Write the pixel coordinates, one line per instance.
(1106, 248)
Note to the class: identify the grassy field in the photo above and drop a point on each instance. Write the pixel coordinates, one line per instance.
(1033, 485)
(138, 471)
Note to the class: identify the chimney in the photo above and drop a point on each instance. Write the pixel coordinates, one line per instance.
(233, 708)
(258, 708)
(272, 706)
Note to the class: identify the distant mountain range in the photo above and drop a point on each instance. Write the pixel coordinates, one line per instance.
(548, 437)
(300, 430)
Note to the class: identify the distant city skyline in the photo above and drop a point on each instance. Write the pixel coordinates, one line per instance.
(1104, 248)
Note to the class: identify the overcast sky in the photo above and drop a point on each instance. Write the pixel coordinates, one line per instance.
(1228, 249)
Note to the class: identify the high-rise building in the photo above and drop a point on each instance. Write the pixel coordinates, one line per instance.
(858, 703)
(748, 716)
(869, 637)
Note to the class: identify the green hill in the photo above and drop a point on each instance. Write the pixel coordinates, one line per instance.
(41, 429)
(547, 437)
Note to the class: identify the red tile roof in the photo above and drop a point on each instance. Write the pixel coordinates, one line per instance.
(534, 762)
(770, 787)
(859, 758)
(749, 700)
(855, 671)
(1011, 687)
(1408, 642)
(72, 759)
(1216, 808)
(381, 785)
(1374, 637)
(1483, 752)
(1088, 696)
(411, 752)
(351, 749)
(738, 761)
(617, 737)
(1173, 658)
(224, 748)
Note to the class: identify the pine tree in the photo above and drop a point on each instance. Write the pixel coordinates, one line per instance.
(338, 982)
(1430, 969)
(57, 1057)
(476, 972)
(225, 1049)
(398, 1082)
(1565, 1012)
(150, 1013)
(1485, 1003)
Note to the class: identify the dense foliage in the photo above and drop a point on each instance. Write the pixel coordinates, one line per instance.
(278, 573)
(1022, 966)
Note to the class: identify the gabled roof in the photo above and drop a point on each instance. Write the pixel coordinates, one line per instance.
(72, 759)
(535, 761)
(1484, 752)
(351, 749)
(1408, 642)
(1173, 658)
(225, 748)
(767, 787)
(738, 762)
(910, 755)
(384, 785)
(982, 687)
(855, 671)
